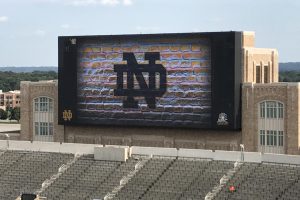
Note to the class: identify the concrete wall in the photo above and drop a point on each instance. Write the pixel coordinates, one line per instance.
(122, 153)
(111, 153)
(48, 146)
(154, 137)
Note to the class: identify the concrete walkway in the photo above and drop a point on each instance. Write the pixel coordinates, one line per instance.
(9, 127)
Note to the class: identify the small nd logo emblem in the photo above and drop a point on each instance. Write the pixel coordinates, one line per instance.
(67, 115)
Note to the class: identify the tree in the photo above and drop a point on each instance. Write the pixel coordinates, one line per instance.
(15, 114)
(9, 112)
(3, 114)
(11, 81)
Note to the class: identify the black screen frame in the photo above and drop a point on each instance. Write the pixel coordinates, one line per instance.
(225, 74)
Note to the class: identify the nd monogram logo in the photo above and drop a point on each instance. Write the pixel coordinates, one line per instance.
(150, 91)
(67, 115)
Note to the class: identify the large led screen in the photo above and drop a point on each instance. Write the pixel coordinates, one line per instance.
(189, 80)
(153, 82)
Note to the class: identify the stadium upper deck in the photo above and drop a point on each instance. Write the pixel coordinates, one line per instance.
(76, 171)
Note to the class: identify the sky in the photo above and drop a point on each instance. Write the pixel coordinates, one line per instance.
(29, 28)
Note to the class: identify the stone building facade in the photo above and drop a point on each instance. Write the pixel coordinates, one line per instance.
(270, 115)
(39, 111)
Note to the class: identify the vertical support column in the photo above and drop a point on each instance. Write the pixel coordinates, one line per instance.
(249, 134)
(292, 119)
(275, 65)
(26, 112)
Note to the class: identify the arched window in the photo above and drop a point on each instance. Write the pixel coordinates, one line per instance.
(271, 110)
(271, 127)
(43, 119)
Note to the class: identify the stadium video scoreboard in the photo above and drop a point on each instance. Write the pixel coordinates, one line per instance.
(189, 80)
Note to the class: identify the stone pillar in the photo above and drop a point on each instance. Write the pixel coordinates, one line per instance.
(249, 119)
(25, 111)
(292, 119)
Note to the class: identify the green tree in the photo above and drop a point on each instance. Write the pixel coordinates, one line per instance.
(289, 76)
(11, 80)
(3, 114)
(9, 113)
(15, 114)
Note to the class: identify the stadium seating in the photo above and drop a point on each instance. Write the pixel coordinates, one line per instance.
(263, 181)
(142, 177)
(23, 171)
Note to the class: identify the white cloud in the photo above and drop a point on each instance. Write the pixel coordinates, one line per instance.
(65, 26)
(40, 33)
(110, 2)
(127, 2)
(82, 2)
(3, 18)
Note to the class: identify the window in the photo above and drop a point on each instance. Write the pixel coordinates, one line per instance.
(269, 137)
(272, 138)
(262, 137)
(43, 128)
(280, 138)
(43, 119)
(271, 110)
(274, 133)
(271, 127)
(262, 110)
(43, 104)
(280, 110)
(258, 75)
(266, 74)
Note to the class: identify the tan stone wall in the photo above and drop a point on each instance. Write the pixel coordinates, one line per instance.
(292, 119)
(139, 136)
(253, 57)
(253, 94)
(25, 111)
(30, 91)
(155, 137)
(248, 39)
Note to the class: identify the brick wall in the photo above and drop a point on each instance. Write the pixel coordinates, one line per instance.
(187, 101)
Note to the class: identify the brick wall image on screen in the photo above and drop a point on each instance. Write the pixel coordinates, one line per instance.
(186, 101)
